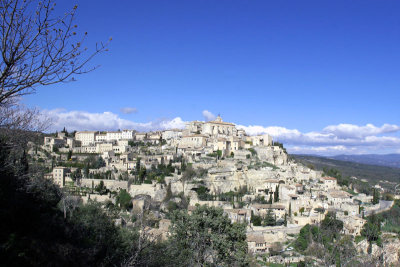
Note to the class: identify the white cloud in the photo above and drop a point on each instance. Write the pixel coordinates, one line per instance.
(334, 139)
(355, 131)
(208, 116)
(272, 130)
(331, 140)
(129, 110)
(176, 123)
(322, 149)
(83, 120)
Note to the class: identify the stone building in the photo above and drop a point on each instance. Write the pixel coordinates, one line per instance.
(60, 175)
(328, 183)
(87, 138)
(193, 141)
(219, 128)
(257, 244)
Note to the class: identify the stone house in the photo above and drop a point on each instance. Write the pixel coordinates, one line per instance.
(238, 215)
(352, 225)
(60, 176)
(257, 244)
(140, 136)
(262, 140)
(262, 209)
(193, 141)
(328, 183)
(171, 134)
(87, 138)
(218, 128)
(337, 197)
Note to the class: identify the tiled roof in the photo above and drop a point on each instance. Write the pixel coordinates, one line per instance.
(256, 238)
(329, 178)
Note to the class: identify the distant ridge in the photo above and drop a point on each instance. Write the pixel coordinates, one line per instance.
(389, 160)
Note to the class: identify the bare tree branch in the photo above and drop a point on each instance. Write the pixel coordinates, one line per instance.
(39, 48)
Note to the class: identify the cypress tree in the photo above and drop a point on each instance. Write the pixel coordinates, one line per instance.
(24, 163)
(137, 166)
(276, 194)
(375, 197)
(285, 220)
(169, 192)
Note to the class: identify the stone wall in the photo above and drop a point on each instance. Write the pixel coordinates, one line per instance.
(113, 185)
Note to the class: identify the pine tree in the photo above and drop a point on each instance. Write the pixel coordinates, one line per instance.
(301, 210)
(290, 209)
(142, 174)
(270, 199)
(269, 218)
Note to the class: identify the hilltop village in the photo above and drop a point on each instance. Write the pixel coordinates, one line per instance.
(209, 163)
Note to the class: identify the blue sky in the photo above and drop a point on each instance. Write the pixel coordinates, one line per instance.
(297, 65)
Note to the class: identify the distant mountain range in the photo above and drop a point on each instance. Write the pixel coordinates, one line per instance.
(371, 172)
(388, 160)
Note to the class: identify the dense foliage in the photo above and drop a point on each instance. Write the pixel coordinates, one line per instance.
(208, 235)
(326, 242)
(34, 231)
(391, 218)
(124, 199)
(268, 220)
(155, 173)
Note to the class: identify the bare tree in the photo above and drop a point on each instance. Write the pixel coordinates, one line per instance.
(187, 175)
(39, 48)
(69, 204)
(145, 240)
(19, 117)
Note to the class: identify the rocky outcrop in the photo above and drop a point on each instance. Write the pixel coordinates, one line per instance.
(272, 154)
(389, 252)
(157, 192)
(140, 203)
